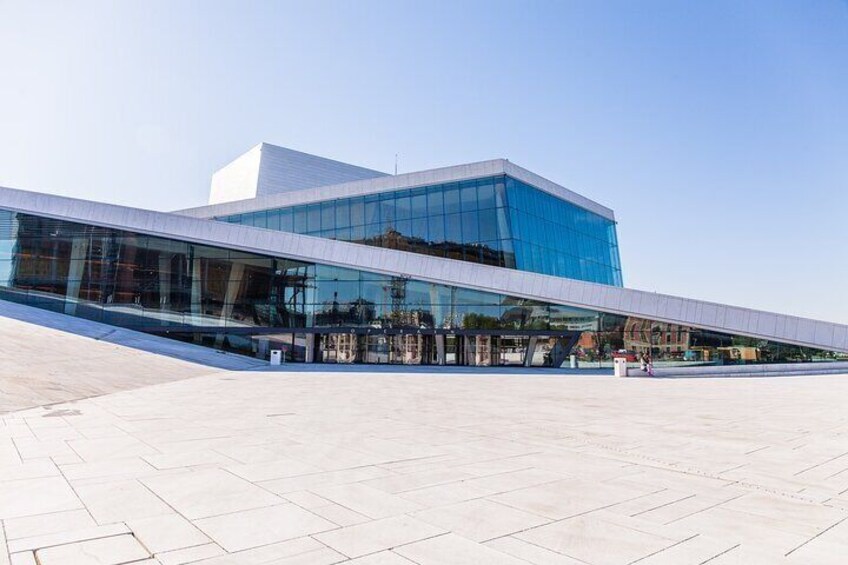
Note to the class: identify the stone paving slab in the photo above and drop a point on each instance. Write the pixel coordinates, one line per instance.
(284, 467)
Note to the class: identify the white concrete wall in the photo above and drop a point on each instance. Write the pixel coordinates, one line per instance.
(238, 180)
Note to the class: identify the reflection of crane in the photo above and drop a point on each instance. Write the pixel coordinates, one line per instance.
(398, 292)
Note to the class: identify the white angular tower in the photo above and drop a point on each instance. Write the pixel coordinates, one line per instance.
(270, 169)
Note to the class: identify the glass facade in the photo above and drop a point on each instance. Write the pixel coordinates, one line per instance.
(252, 303)
(495, 221)
(554, 237)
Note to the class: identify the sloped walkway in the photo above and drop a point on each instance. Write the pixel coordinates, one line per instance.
(47, 358)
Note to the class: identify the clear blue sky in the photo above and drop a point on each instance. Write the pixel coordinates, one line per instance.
(718, 131)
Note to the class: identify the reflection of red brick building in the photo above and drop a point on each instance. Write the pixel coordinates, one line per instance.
(644, 335)
(587, 340)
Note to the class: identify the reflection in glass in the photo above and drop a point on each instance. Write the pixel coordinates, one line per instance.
(223, 298)
(543, 233)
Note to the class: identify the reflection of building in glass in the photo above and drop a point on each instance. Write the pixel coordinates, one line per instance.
(483, 264)
(646, 336)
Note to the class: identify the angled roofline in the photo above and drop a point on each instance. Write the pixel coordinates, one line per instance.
(397, 182)
(568, 292)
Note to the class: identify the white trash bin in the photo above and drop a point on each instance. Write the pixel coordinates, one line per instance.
(276, 356)
(619, 367)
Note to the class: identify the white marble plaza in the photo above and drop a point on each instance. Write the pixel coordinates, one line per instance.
(259, 467)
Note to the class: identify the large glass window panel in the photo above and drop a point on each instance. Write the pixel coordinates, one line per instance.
(286, 220)
(403, 228)
(419, 229)
(417, 293)
(328, 216)
(343, 234)
(478, 317)
(403, 206)
(453, 228)
(486, 194)
(476, 297)
(387, 209)
(436, 228)
(372, 209)
(470, 227)
(339, 291)
(488, 224)
(274, 220)
(376, 290)
(313, 218)
(468, 195)
(435, 202)
(357, 211)
(300, 220)
(419, 203)
(357, 233)
(373, 233)
(451, 198)
(342, 213)
(327, 272)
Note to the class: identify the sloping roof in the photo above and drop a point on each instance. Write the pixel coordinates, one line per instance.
(627, 302)
(396, 182)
